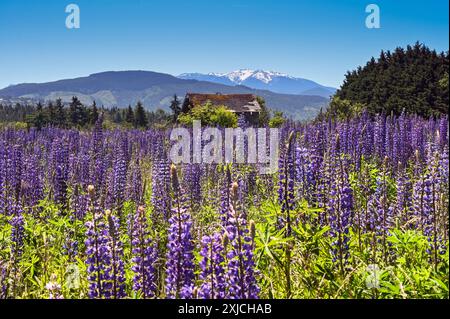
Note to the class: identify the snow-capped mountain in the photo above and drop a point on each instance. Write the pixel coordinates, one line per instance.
(240, 76)
(264, 80)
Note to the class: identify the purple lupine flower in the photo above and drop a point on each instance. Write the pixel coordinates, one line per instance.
(117, 272)
(17, 233)
(16, 171)
(380, 216)
(286, 195)
(32, 184)
(2, 177)
(97, 153)
(119, 178)
(404, 195)
(98, 252)
(179, 265)
(241, 273)
(144, 256)
(340, 209)
(192, 182)
(212, 269)
(60, 157)
(134, 189)
(225, 197)
(305, 173)
(432, 203)
(161, 188)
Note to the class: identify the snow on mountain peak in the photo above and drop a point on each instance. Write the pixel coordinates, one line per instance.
(241, 75)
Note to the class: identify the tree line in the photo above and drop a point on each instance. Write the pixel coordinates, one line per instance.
(77, 115)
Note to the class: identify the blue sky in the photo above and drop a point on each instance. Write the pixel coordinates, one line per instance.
(317, 39)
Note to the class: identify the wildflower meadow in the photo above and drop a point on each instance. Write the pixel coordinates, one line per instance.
(357, 209)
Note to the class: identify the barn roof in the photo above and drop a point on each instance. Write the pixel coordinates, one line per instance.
(235, 102)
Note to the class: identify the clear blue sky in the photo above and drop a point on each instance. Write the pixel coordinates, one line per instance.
(317, 39)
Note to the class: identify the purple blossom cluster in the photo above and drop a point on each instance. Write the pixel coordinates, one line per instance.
(144, 256)
(180, 264)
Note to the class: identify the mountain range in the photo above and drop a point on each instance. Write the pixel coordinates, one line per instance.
(155, 90)
(265, 80)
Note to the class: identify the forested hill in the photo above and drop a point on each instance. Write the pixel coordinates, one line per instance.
(414, 79)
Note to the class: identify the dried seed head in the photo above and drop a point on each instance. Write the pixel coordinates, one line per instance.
(252, 229)
(91, 190)
(195, 293)
(173, 170)
(234, 188)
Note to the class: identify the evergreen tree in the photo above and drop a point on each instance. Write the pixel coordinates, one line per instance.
(129, 117)
(60, 116)
(94, 113)
(77, 112)
(117, 117)
(140, 116)
(51, 113)
(264, 115)
(175, 107)
(39, 119)
(411, 79)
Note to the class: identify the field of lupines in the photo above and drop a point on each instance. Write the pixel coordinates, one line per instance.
(358, 209)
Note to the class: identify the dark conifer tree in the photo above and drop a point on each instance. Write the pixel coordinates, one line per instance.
(175, 106)
(39, 119)
(139, 116)
(51, 113)
(77, 112)
(60, 117)
(129, 117)
(93, 113)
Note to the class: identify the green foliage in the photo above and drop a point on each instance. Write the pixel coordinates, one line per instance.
(264, 115)
(342, 109)
(277, 120)
(313, 274)
(414, 79)
(209, 114)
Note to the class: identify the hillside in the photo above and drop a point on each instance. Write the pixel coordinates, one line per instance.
(155, 90)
